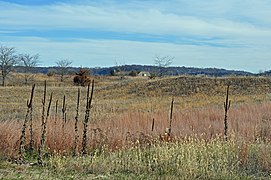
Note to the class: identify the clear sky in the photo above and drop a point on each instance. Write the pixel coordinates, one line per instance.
(231, 34)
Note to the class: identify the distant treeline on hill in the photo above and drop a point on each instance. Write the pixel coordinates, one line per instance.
(169, 71)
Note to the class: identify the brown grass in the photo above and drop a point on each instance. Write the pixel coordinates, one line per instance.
(246, 121)
(125, 109)
(123, 112)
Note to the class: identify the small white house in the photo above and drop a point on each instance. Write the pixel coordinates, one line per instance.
(144, 74)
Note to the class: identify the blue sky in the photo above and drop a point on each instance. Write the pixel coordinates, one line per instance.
(231, 34)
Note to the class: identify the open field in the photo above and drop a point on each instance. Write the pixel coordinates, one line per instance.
(121, 142)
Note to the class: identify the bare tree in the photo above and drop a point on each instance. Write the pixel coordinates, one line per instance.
(28, 61)
(63, 66)
(8, 59)
(162, 62)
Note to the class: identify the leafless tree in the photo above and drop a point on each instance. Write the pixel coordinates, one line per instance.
(28, 61)
(163, 62)
(8, 59)
(63, 66)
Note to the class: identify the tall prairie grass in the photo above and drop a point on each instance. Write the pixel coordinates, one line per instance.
(126, 132)
(247, 122)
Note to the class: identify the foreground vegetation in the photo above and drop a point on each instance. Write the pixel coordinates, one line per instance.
(126, 133)
(186, 159)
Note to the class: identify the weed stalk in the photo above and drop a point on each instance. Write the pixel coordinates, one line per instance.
(44, 125)
(152, 126)
(54, 128)
(85, 124)
(28, 116)
(76, 123)
(227, 105)
(64, 117)
(171, 116)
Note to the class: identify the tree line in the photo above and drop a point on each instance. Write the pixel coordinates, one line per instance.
(10, 58)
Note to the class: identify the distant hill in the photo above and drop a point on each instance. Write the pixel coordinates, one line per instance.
(169, 71)
(265, 73)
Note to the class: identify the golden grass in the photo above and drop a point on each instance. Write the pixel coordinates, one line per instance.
(120, 139)
(247, 121)
(125, 108)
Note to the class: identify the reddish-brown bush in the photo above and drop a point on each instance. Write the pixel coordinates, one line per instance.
(81, 78)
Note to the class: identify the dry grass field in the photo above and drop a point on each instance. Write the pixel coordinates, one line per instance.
(126, 129)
